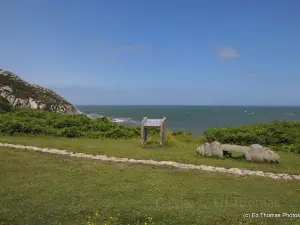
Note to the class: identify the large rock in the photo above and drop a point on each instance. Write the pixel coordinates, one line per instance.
(216, 150)
(235, 148)
(255, 153)
(15, 92)
(260, 154)
(207, 150)
(212, 149)
(200, 149)
(270, 156)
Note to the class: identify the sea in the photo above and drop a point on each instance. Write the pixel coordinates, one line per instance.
(195, 119)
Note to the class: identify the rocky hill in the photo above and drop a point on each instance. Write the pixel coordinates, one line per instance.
(15, 92)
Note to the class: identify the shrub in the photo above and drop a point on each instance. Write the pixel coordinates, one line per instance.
(71, 132)
(4, 105)
(38, 122)
(181, 132)
(171, 140)
(282, 136)
(150, 141)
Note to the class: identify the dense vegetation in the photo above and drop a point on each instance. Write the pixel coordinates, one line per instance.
(278, 135)
(47, 123)
(38, 122)
(282, 136)
(4, 105)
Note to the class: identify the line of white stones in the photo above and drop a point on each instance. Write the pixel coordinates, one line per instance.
(235, 171)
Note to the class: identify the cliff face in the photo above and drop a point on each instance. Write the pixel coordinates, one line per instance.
(15, 92)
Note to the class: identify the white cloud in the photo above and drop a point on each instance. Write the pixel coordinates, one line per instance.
(227, 52)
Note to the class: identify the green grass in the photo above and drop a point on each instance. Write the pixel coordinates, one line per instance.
(183, 152)
(38, 188)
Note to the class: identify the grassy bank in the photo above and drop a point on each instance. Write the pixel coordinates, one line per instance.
(37, 188)
(79, 133)
(183, 151)
(281, 136)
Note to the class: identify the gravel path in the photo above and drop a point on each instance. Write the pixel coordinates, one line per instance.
(235, 171)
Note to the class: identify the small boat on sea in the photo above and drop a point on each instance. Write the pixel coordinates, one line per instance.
(252, 113)
(290, 114)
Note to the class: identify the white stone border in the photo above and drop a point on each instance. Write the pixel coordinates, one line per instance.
(235, 171)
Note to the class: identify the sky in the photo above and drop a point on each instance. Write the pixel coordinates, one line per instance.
(156, 52)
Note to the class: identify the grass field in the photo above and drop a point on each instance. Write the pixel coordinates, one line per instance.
(184, 152)
(37, 188)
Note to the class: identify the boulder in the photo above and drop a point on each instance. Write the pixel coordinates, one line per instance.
(235, 148)
(270, 156)
(207, 150)
(255, 153)
(216, 150)
(267, 156)
(200, 149)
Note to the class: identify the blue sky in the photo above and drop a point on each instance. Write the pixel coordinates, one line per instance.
(156, 52)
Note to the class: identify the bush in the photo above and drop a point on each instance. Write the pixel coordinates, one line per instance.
(282, 136)
(71, 132)
(38, 122)
(181, 132)
(171, 140)
(4, 105)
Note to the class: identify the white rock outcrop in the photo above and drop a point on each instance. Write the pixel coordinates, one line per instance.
(19, 93)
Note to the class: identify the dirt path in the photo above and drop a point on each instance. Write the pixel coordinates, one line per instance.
(235, 171)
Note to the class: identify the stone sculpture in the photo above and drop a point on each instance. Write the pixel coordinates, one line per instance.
(207, 150)
(216, 149)
(254, 153)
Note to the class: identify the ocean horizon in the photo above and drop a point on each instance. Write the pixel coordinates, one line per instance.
(193, 118)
